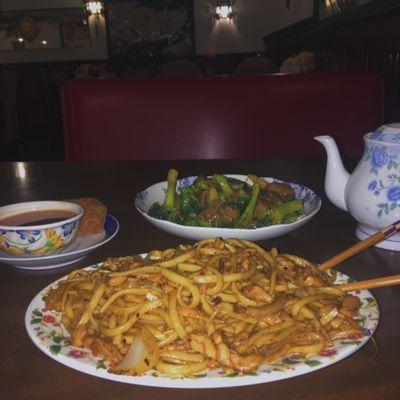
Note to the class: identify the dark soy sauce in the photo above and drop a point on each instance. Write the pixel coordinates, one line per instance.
(37, 217)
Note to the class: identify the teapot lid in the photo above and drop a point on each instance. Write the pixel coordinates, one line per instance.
(389, 133)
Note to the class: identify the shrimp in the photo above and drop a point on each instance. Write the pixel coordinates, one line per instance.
(310, 280)
(55, 296)
(231, 359)
(117, 280)
(244, 262)
(103, 347)
(156, 278)
(287, 266)
(350, 305)
(122, 263)
(98, 345)
(217, 350)
(258, 293)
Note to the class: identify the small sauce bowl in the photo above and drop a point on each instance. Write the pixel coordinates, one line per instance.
(38, 238)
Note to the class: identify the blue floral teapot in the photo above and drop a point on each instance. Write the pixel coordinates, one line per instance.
(371, 194)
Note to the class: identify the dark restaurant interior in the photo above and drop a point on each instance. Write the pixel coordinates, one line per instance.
(222, 63)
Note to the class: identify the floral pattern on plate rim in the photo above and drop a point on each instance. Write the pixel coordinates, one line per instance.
(49, 334)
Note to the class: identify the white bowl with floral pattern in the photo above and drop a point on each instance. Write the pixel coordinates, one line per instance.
(39, 240)
(156, 194)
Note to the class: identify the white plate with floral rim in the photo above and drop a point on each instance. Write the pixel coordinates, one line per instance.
(156, 194)
(74, 252)
(49, 335)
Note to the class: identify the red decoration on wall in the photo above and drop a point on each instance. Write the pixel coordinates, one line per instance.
(287, 4)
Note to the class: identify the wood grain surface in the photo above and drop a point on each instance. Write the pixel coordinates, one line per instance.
(26, 373)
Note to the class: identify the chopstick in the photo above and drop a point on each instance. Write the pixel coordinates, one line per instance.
(351, 251)
(370, 283)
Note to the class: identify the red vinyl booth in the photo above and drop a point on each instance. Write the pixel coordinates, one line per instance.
(218, 117)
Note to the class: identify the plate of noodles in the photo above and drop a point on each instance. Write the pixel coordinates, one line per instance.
(219, 313)
(241, 206)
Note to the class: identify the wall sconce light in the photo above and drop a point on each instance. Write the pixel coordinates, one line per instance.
(224, 11)
(95, 8)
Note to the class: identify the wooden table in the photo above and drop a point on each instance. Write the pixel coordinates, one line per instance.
(26, 373)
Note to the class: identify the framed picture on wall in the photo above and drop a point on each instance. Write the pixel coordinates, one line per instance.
(142, 31)
(334, 12)
(329, 8)
(48, 30)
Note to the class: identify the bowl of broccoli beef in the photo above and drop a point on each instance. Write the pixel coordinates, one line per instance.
(239, 206)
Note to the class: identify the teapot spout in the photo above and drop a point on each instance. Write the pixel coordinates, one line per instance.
(336, 176)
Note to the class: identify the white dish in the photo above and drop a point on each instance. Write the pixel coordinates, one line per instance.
(74, 252)
(156, 193)
(48, 334)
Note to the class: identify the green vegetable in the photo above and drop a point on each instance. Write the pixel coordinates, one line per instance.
(222, 223)
(191, 220)
(246, 219)
(224, 185)
(159, 212)
(212, 195)
(224, 202)
(280, 212)
(202, 222)
(189, 202)
(169, 201)
(201, 183)
(240, 203)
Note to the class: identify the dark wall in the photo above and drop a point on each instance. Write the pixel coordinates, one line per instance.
(30, 127)
(372, 42)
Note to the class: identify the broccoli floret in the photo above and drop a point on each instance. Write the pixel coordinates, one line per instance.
(158, 211)
(221, 222)
(169, 201)
(246, 219)
(285, 212)
(193, 220)
(224, 185)
(212, 195)
(239, 203)
(189, 201)
(201, 183)
(201, 222)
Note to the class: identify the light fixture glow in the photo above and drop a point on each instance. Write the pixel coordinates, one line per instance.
(21, 171)
(20, 39)
(224, 12)
(94, 7)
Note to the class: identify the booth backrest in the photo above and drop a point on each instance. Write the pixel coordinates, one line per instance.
(218, 117)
